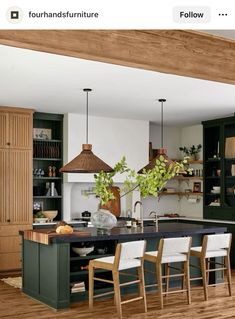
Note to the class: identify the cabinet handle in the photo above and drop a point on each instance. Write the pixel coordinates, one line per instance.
(8, 220)
(8, 143)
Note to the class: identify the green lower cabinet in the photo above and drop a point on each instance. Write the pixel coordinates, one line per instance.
(46, 273)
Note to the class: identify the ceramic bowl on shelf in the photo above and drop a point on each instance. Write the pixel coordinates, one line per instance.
(83, 251)
(50, 214)
(40, 220)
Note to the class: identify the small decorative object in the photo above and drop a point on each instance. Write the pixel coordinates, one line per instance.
(215, 190)
(196, 187)
(233, 170)
(218, 172)
(42, 133)
(37, 206)
(50, 173)
(192, 151)
(53, 171)
(52, 190)
(102, 251)
(103, 220)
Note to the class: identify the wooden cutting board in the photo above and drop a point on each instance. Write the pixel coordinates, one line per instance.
(45, 236)
(114, 206)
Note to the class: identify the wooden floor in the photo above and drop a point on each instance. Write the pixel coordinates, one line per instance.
(15, 305)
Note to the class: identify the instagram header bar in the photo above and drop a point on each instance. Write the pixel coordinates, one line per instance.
(114, 14)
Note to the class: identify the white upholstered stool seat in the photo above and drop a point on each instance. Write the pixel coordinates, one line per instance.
(213, 246)
(196, 251)
(123, 264)
(127, 256)
(171, 250)
(167, 258)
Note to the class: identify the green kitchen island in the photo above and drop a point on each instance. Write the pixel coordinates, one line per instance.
(50, 270)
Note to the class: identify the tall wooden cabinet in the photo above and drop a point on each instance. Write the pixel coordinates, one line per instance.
(15, 182)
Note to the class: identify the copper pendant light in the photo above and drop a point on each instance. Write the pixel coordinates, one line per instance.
(161, 151)
(86, 161)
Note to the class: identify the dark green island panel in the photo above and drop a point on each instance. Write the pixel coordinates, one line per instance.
(49, 270)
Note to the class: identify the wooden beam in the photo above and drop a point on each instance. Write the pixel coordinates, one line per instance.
(186, 53)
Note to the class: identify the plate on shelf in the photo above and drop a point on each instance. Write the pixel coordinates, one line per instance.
(40, 220)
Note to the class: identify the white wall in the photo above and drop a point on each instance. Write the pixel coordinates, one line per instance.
(175, 137)
(192, 135)
(111, 139)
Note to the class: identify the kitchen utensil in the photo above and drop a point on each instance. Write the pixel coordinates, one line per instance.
(86, 214)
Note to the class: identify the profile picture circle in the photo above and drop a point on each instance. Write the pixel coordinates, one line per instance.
(14, 15)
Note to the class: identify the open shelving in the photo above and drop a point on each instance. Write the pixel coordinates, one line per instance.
(219, 158)
(48, 153)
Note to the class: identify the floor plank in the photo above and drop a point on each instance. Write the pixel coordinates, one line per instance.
(15, 305)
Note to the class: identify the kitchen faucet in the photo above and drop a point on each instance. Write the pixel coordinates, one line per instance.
(141, 213)
(156, 218)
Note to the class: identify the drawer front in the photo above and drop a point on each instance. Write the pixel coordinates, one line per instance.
(10, 261)
(10, 244)
(13, 230)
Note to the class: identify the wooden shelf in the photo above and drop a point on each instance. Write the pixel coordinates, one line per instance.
(47, 197)
(47, 141)
(47, 178)
(181, 193)
(46, 159)
(184, 178)
(88, 257)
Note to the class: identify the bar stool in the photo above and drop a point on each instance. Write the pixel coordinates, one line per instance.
(213, 246)
(171, 250)
(127, 255)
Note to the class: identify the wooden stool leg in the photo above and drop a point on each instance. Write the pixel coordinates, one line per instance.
(187, 281)
(91, 285)
(142, 286)
(159, 281)
(204, 277)
(117, 295)
(208, 273)
(167, 273)
(228, 273)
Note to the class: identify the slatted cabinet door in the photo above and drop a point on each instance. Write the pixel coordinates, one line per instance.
(15, 182)
(20, 130)
(4, 186)
(20, 182)
(4, 131)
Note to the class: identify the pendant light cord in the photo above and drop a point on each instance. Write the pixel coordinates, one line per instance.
(162, 130)
(87, 117)
(162, 125)
(87, 92)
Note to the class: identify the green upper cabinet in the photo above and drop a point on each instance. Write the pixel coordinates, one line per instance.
(47, 160)
(219, 168)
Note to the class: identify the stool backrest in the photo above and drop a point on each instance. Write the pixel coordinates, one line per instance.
(215, 242)
(129, 250)
(170, 246)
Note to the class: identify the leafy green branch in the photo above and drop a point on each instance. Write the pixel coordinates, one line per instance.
(150, 182)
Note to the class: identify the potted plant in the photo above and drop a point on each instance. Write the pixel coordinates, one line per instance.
(192, 151)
